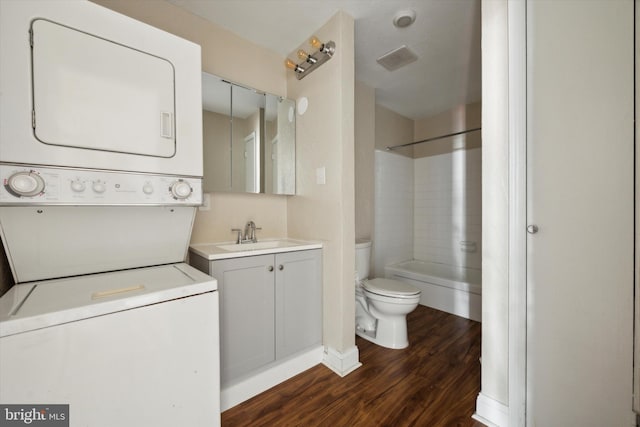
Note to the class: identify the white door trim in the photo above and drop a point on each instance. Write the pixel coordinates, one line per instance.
(636, 347)
(517, 373)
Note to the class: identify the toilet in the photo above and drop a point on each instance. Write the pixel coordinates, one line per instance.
(382, 305)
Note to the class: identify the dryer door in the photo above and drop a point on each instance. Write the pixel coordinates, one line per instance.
(92, 93)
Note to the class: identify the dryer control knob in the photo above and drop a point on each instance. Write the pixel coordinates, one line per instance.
(147, 188)
(77, 185)
(99, 187)
(180, 190)
(25, 184)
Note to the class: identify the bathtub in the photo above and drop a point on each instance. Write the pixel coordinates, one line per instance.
(456, 290)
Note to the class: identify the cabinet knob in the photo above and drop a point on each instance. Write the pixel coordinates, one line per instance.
(270, 268)
(281, 267)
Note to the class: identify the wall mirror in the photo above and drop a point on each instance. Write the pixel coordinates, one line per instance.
(248, 139)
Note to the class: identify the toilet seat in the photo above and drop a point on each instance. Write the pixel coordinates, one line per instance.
(390, 288)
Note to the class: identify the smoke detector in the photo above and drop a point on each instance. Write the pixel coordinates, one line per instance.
(404, 18)
(397, 58)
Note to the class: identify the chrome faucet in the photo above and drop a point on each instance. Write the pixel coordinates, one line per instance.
(249, 235)
(250, 231)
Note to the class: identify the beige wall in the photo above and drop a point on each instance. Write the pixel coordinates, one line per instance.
(458, 119)
(365, 135)
(393, 129)
(223, 53)
(325, 138)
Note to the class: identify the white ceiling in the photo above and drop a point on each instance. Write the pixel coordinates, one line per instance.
(445, 36)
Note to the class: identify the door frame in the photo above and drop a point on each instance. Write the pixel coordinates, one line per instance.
(517, 124)
(636, 314)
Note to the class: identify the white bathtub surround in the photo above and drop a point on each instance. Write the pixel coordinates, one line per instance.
(428, 209)
(456, 290)
(438, 221)
(393, 222)
(342, 363)
(448, 208)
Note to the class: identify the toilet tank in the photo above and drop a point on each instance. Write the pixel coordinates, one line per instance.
(363, 255)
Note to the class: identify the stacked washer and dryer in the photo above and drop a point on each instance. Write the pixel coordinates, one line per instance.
(101, 169)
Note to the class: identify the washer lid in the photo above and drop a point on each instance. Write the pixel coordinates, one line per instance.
(388, 287)
(39, 305)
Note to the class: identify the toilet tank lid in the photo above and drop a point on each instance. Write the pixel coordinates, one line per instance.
(362, 243)
(390, 287)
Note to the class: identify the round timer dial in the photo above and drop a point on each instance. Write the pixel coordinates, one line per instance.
(180, 190)
(25, 184)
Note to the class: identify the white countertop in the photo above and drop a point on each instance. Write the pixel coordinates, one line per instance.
(226, 250)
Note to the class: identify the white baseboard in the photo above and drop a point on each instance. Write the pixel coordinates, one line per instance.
(491, 412)
(342, 363)
(237, 393)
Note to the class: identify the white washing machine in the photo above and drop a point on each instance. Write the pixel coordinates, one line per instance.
(131, 348)
(106, 317)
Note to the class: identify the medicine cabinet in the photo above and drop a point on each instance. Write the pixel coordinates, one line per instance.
(248, 139)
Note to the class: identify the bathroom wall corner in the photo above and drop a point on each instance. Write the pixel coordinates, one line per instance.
(325, 211)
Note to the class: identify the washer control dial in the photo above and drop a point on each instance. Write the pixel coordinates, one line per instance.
(25, 184)
(180, 189)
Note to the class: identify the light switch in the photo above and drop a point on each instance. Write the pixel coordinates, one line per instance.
(321, 177)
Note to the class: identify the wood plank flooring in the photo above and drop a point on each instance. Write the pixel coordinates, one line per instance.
(434, 382)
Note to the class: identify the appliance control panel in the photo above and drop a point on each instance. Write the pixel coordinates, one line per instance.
(26, 185)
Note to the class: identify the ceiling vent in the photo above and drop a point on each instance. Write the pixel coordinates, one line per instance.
(397, 58)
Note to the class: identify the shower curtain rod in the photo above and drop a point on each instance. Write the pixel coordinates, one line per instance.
(389, 148)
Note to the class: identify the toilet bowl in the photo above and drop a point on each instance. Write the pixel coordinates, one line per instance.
(382, 305)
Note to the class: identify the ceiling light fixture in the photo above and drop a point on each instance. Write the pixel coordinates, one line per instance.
(311, 61)
(404, 18)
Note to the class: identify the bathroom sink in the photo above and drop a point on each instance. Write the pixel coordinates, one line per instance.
(227, 250)
(271, 244)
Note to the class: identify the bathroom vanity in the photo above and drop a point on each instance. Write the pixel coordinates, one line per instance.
(270, 311)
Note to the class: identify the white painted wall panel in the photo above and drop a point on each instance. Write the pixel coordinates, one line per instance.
(580, 263)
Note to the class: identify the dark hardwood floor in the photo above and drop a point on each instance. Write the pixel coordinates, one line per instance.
(433, 382)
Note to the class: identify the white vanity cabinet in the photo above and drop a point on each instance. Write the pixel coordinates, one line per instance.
(270, 308)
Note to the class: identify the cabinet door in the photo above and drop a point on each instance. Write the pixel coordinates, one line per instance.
(247, 309)
(298, 301)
